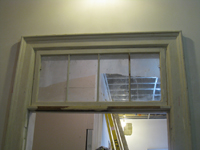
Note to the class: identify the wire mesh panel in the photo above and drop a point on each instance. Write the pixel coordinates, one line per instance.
(145, 77)
(114, 77)
(118, 86)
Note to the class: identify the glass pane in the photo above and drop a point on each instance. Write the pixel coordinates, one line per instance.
(114, 80)
(82, 78)
(145, 131)
(53, 78)
(145, 77)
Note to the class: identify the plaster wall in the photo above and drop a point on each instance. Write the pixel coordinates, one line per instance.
(45, 17)
(147, 134)
(61, 130)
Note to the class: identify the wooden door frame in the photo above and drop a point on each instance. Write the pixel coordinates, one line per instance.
(176, 87)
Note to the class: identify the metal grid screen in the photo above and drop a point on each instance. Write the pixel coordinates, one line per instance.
(142, 88)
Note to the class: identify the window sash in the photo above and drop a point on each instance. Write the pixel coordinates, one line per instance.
(161, 51)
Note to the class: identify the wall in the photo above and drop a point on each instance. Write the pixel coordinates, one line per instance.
(105, 139)
(45, 17)
(147, 134)
(61, 131)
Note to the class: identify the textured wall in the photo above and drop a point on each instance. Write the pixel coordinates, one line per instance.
(44, 17)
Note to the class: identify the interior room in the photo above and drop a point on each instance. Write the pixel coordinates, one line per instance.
(48, 17)
(64, 130)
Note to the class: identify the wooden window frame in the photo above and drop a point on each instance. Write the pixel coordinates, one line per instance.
(172, 73)
(40, 53)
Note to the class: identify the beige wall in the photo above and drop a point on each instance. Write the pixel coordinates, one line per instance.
(61, 131)
(21, 18)
(147, 134)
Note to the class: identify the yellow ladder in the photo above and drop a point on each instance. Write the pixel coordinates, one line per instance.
(116, 134)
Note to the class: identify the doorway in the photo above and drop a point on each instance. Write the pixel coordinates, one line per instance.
(63, 131)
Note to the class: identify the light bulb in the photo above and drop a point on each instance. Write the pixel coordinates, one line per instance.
(123, 123)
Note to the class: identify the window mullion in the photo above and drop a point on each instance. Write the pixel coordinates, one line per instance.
(67, 79)
(98, 71)
(129, 61)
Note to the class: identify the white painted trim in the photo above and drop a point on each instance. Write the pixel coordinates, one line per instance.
(176, 87)
(30, 133)
(39, 54)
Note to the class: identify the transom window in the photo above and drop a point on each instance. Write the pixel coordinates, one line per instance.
(116, 72)
(112, 75)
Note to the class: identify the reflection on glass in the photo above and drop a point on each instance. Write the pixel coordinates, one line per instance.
(145, 77)
(82, 78)
(53, 78)
(114, 80)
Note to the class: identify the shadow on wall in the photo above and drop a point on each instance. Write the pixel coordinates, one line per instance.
(193, 84)
(7, 93)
